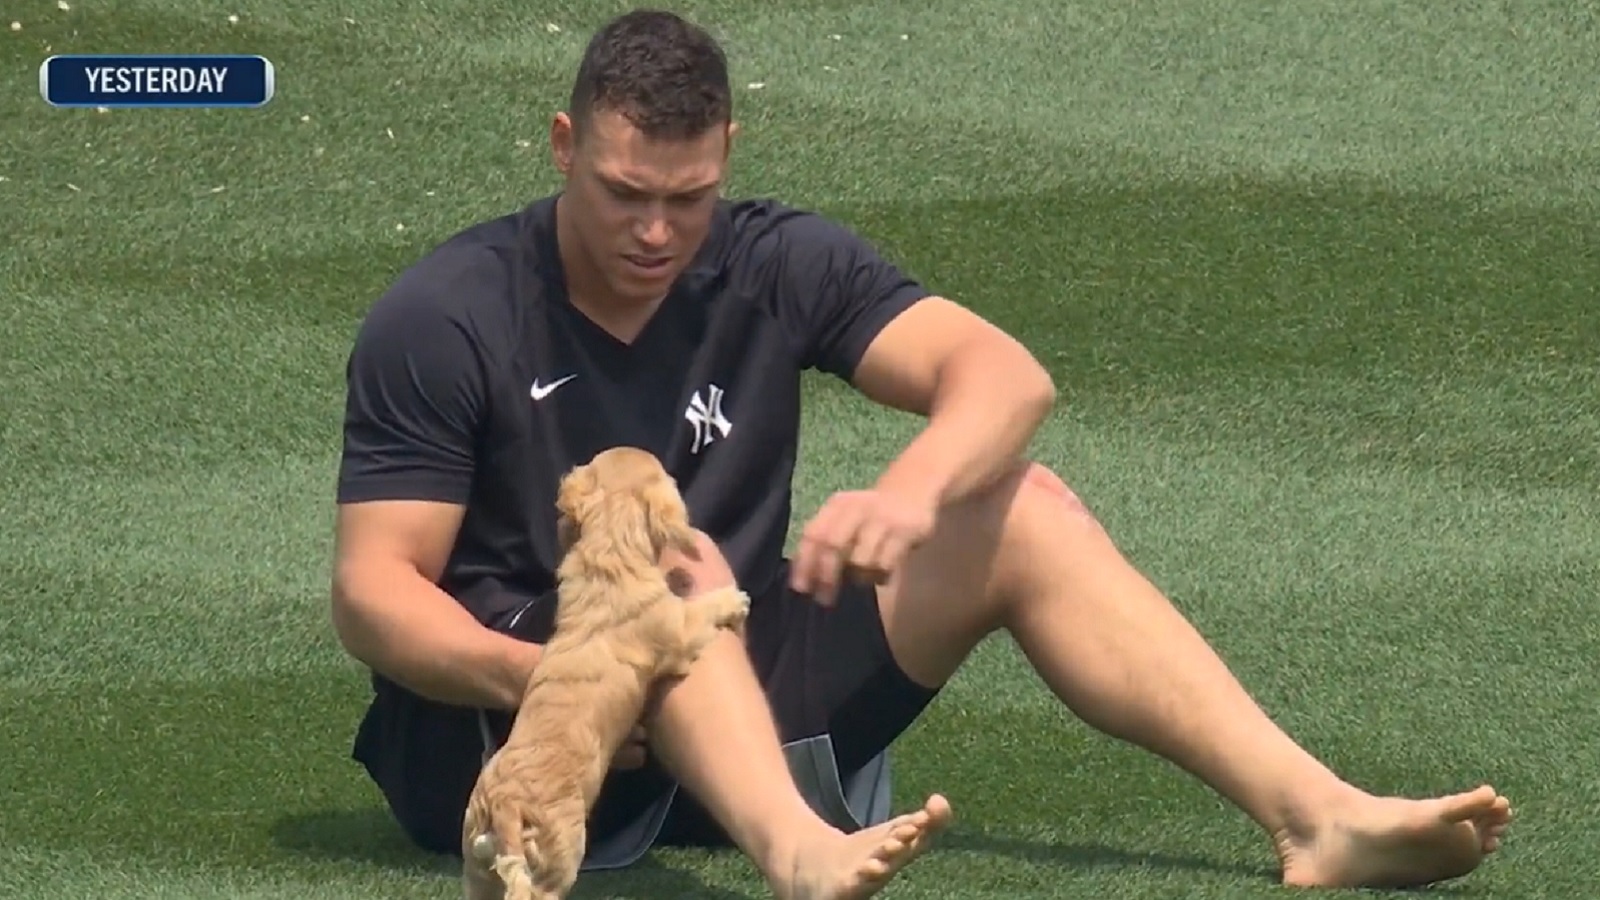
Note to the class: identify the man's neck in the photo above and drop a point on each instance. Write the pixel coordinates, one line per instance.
(587, 291)
(623, 322)
(578, 270)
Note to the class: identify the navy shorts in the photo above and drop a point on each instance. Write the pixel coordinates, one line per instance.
(837, 696)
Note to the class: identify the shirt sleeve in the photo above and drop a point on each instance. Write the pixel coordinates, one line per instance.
(414, 397)
(837, 292)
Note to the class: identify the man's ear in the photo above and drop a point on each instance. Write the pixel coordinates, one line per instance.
(563, 141)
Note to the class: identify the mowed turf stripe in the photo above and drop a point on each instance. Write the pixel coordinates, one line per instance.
(460, 156)
(1202, 89)
(127, 386)
(189, 573)
(1102, 118)
(1292, 89)
(1338, 324)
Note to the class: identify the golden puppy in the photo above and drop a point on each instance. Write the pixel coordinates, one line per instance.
(619, 627)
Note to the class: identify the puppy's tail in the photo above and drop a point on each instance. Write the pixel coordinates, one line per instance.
(509, 862)
(513, 872)
(483, 848)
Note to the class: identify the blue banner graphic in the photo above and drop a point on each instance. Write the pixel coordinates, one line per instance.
(145, 80)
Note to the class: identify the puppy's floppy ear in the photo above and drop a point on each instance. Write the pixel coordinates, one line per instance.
(566, 533)
(575, 501)
(667, 518)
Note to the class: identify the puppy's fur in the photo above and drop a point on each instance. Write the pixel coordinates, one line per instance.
(619, 627)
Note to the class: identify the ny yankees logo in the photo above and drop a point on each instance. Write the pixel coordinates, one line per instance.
(706, 417)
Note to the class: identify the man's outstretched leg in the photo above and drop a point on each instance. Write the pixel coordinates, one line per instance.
(714, 732)
(1028, 557)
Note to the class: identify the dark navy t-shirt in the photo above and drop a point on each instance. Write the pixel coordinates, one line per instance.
(473, 380)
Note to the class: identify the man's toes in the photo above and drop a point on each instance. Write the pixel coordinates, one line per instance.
(1494, 821)
(1475, 808)
(908, 825)
(934, 815)
(915, 821)
(913, 826)
(904, 837)
(1498, 810)
(874, 868)
(1468, 805)
(896, 842)
(1493, 834)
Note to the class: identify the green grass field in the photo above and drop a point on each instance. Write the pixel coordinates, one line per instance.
(1318, 282)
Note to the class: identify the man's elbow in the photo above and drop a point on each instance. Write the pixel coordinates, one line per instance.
(349, 615)
(1031, 383)
(1042, 390)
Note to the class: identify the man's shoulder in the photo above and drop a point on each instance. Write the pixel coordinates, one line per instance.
(470, 275)
(763, 221)
(766, 239)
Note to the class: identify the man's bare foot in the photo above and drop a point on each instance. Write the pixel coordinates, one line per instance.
(1394, 842)
(837, 866)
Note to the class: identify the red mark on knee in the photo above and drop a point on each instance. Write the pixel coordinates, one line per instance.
(1040, 477)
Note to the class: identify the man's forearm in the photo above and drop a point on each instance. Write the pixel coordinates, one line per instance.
(987, 407)
(405, 628)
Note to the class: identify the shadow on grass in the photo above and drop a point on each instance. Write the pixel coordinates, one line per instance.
(370, 837)
(1087, 856)
(366, 836)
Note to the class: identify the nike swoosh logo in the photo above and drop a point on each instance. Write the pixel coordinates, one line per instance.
(539, 392)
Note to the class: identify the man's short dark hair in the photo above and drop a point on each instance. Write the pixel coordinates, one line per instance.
(666, 75)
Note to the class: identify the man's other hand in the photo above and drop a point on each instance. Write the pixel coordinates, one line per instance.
(865, 534)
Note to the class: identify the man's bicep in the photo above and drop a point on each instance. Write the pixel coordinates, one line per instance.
(419, 533)
(414, 396)
(900, 367)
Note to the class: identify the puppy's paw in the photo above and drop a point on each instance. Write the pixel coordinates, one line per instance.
(729, 607)
(704, 615)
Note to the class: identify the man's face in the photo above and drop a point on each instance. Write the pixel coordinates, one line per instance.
(641, 208)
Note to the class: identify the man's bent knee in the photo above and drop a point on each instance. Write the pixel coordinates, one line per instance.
(1041, 477)
(1000, 500)
(1003, 532)
(982, 560)
(950, 592)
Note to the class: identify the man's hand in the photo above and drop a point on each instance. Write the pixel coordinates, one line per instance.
(863, 533)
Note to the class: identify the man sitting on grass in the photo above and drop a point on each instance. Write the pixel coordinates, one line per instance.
(637, 306)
